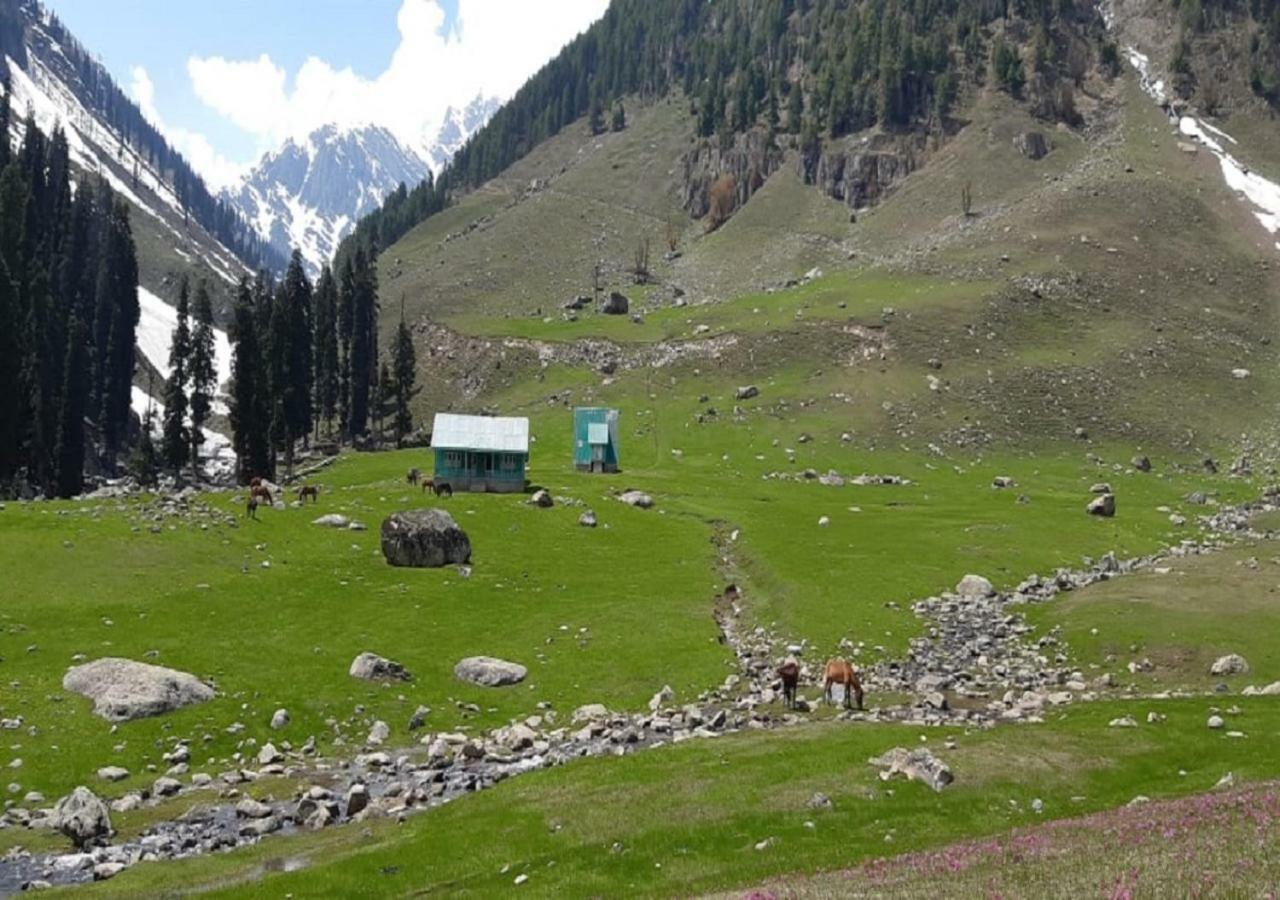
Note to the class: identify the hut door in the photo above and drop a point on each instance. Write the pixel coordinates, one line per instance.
(597, 457)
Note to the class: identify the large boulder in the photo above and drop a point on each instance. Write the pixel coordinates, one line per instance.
(122, 689)
(1231, 664)
(489, 672)
(917, 765)
(372, 667)
(82, 816)
(616, 305)
(424, 538)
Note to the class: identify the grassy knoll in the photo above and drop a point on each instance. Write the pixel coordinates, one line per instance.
(1181, 618)
(688, 818)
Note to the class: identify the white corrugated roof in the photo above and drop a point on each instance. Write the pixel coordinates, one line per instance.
(597, 433)
(497, 433)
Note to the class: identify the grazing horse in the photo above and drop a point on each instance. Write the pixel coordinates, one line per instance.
(251, 508)
(442, 489)
(839, 671)
(309, 490)
(789, 672)
(428, 484)
(262, 492)
(413, 476)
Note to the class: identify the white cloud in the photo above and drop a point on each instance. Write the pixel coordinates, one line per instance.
(217, 170)
(494, 47)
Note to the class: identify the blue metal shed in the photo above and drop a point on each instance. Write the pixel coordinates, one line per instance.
(480, 453)
(595, 439)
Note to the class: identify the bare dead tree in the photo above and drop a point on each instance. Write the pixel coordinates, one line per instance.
(640, 270)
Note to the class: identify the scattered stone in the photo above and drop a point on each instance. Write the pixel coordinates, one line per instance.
(166, 787)
(279, 719)
(333, 520)
(661, 698)
(1003, 481)
(824, 521)
(587, 519)
(489, 672)
(1216, 721)
(637, 499)
(249, 808)
(357, 799)
(122, 689)
(424, 538)
(975, 587)
(1104, 506)
(1123, 722)
(1141, 463)
(542, 499)
(379, 733)
(372, 667)
(819, 801)
(746, 392)
(113, 773)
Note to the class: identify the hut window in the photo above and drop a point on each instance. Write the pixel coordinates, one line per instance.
(452, 458)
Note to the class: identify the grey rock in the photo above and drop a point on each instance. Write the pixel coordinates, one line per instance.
(617, 304)
(1104, 506)
(542, 499)
(332, 520)
(424, 538)
(279, 719)
(746, 392)
(1231, 664)
(122, 689)
(1031, 144)
(357, 799)
(82, 816)
(113, 773)
(974, 587)
(587, 519)
(918, 765)
(638, 499)
(489, 672)
(372, 667)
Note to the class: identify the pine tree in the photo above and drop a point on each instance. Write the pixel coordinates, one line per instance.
(363, 354)
(73, 404)
(13, 419)
(250, 411)
(346, 317)
(6, 112)
(177, 444)
(203, 374)
(405, 375)
(382, 390)
(326, 349)
(145, 462)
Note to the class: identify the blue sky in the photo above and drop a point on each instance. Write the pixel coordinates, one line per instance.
(231, 79)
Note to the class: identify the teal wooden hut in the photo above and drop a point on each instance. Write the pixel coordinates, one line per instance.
(595, 439)
(480, 453)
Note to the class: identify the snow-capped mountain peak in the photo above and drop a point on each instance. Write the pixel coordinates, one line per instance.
(309, 194)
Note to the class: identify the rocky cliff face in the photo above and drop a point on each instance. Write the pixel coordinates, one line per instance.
(860, 172)
(750, 158)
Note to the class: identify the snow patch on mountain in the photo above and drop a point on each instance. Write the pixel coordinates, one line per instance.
(456, 128)
(156, 322)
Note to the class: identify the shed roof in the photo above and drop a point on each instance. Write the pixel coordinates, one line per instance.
(494, 433)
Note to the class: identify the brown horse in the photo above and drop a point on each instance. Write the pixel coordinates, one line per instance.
(260, 491)
(428, 484)
(414, 476)
(309, 490)
(789, 672)
(839, 671)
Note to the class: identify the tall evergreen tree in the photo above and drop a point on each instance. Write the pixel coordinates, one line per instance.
(13, 418)
(326, 349)
(363, 355)
(177, 442)
(74, 404)
(204, 374)
(346, 305)
(405, 374)
(250, 393)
